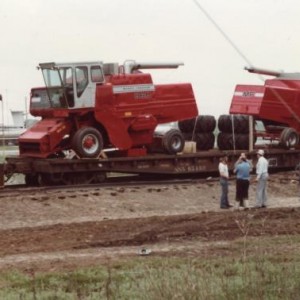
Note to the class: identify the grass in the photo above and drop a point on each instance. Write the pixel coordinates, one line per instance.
(262, 274)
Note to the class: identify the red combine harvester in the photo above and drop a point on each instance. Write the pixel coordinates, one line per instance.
(276, 104)
(88, 107)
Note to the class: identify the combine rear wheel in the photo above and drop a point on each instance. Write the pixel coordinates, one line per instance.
(173, 141)
(87, 142)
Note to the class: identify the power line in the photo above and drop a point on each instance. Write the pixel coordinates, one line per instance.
(244, 57)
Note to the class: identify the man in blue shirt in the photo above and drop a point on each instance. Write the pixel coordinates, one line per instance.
(242, 169)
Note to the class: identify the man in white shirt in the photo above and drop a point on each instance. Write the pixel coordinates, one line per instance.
(261, 179)
(224, 176)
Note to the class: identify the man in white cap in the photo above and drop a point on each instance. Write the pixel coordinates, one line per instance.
(261, 179)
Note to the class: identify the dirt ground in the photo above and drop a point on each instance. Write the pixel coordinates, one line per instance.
(66, 229)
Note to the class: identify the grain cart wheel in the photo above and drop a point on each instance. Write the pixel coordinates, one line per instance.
(173, 141)
(289, 138)
(87, 142)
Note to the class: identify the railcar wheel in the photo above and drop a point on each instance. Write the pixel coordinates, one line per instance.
(87, 142)
(99, 177)
(46, 179)
(77, 178)
(31, 179)
(173, 141)
(289, 138)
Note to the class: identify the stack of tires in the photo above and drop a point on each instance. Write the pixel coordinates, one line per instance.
(234, 132)
(199, 130)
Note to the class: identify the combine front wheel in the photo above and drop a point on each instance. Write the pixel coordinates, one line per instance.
(87, 142)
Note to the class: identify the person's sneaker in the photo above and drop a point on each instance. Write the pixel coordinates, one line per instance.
(229, 205)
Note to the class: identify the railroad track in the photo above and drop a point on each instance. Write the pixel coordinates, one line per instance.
(122, 182)
(116, 182)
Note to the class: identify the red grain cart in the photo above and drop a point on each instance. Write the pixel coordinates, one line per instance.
(276, 104)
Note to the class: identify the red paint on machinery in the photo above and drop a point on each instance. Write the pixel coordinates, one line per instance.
(276, 104)
(88, 107)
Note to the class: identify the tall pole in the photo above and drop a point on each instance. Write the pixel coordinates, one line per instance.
(251, 137)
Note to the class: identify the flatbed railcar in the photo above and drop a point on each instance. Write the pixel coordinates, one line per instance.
(89, 170)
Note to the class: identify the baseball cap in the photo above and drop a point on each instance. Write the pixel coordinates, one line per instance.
(261, 152)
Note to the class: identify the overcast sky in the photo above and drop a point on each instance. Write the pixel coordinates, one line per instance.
(266, 32)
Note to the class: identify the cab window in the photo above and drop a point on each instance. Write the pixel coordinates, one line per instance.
(96, 74)
(81, 74)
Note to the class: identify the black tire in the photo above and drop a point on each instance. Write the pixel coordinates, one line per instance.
(224, 123)
(240, 123)
(87, 142)
(205, 124)
(187, 125)
(242, 141)
(225, 141)
(289, 138)
(200, 124)
(173, 141)
(204, 141)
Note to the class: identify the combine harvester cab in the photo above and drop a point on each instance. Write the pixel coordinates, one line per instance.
(276, 104)
(88, 107)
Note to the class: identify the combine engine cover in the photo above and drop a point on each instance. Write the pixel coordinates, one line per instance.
(276, 102)
(90, 106)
